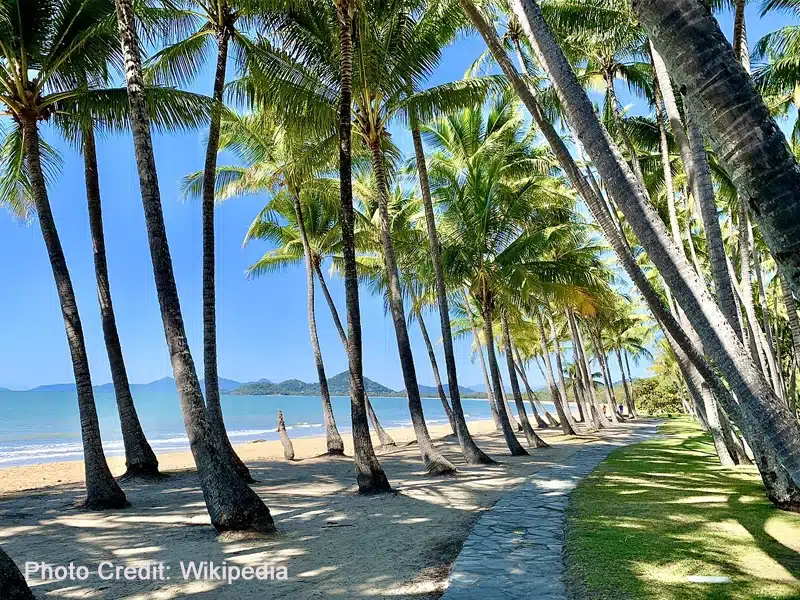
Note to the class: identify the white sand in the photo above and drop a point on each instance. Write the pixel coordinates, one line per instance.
(334, 543)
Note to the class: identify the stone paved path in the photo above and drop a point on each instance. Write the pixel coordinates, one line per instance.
(515, 549)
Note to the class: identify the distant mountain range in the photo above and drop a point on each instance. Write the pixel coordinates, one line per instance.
(431, 390)
(338, 385)
(166, 384)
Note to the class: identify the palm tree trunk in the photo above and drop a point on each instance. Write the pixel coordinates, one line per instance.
(769, 342)
(794, 321)
(514, 423)
(666, 166)
(505, 424)
(740, 48)
(559, 368)
(518, 364)
(213, 403)
(102, 490)
(384, 438)
(489, 395)
(753, 392)
(534, 441)
(472, 454)
(334, 443)
(780, 487)
(703, 192)
(558, 400)
(608, 388)
(435, 462)
(595, 402)
(628, 395)
(12, 583)
(370, 475)
(749, 143)
(435, 368)
(231, 504)
(590, 415)
(140, 460)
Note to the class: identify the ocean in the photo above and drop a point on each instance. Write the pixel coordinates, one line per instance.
(37, 427)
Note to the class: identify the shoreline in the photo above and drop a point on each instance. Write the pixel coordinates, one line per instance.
(34, 476)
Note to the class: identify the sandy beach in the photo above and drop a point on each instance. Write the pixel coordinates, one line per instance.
(333, 542)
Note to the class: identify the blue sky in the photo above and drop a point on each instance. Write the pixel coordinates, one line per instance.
(262, 326)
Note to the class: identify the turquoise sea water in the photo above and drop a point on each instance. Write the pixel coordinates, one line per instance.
(40, 427)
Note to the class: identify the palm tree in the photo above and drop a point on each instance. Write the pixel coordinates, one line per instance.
(196, 25)
(305, 214)
(12, 582)
(488, 208)
(761, 163)
(231, 503)
(753, 392)
(370, 475)
(779, 486)
(301, 217)
(45, 60)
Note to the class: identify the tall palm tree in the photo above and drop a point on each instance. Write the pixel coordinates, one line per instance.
(191, 27)
(231, 504)
(764, 169)
(370, 475)
(301, 218)
(45, 59)
(753, 392)
(488, 208)
(779, 486)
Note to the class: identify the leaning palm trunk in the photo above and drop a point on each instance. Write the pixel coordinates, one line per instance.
(608, 387)
(384, 438)
(102, 490)
(12, 582)
(505, 423)
(628, 396)
(555, 393)
(534, 441)
(768, 341)
(472, 454)
(590, 414)
(231, 504)
(518, 365)
(213, 402)
(140, 460)
(630, 383)
(703, 192)
(486, 383)
(749, 143)
(794, 321)
(559, 369)
(435, 462)
(333, 441)
(434, 364)
(370, 475)
(758, 402)
(595, 403)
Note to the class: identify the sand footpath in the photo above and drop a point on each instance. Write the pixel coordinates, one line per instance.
(333, 542)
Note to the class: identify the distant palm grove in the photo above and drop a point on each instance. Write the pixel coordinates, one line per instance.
(540, 215)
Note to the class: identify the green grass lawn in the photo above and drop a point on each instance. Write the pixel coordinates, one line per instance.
(654, 513)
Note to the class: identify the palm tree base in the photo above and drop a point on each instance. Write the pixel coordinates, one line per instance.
(105, 503)
(142, 471)
(376, 483)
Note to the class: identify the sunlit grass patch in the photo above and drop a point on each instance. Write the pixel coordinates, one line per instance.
(656, 513)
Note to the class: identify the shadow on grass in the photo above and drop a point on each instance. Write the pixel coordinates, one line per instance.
(654, 513)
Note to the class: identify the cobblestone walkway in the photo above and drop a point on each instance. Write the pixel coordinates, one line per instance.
(515, 549)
